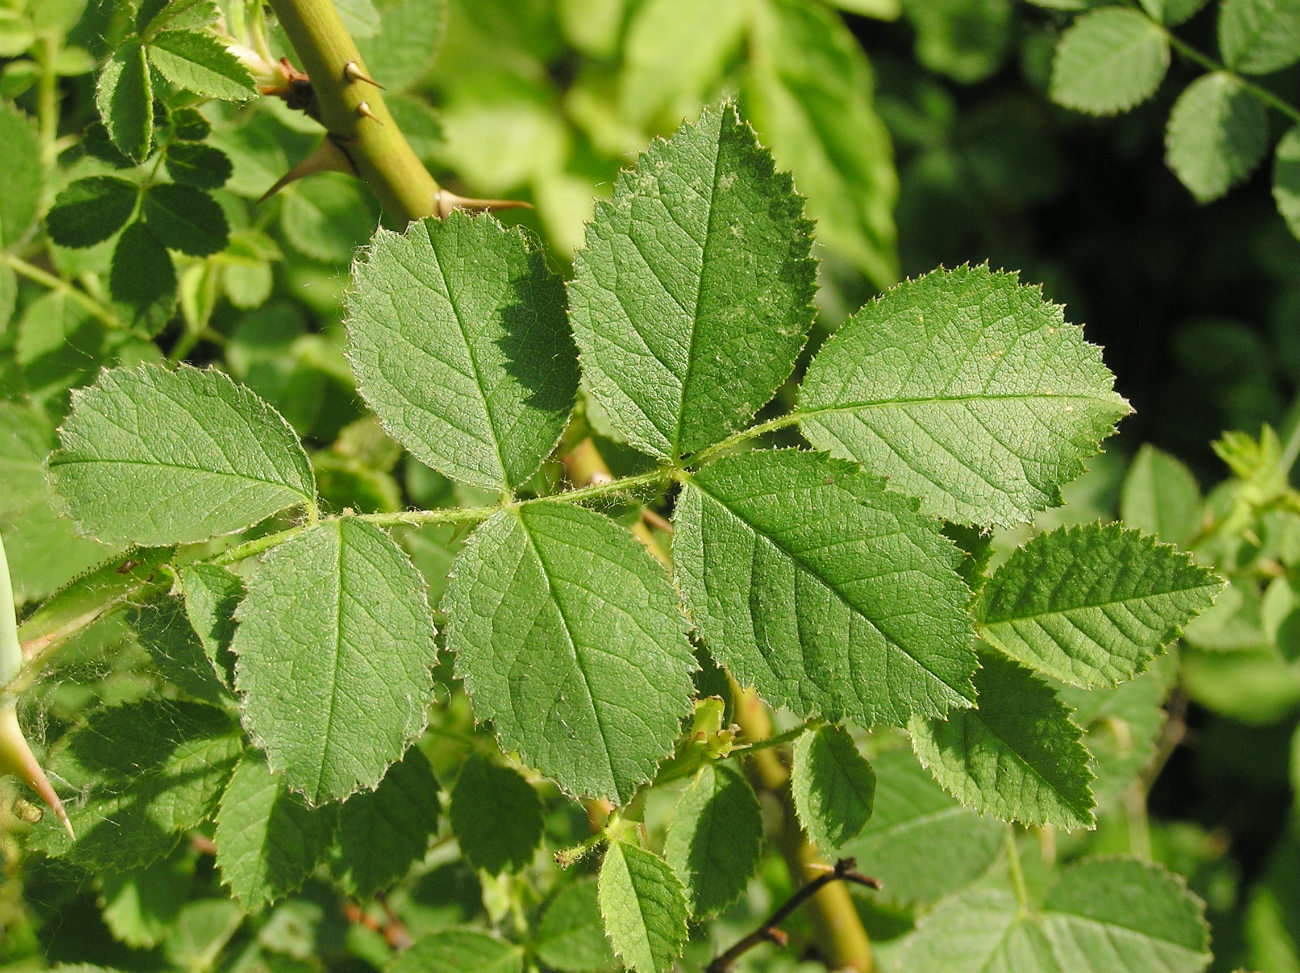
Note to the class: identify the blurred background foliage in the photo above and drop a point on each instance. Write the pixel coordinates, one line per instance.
(922, 133)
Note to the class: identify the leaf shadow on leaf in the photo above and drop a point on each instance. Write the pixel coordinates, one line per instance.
(550, 380)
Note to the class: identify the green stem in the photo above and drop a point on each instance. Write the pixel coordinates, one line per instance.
(47, 100)
(1210, 64)
(735, 439)
(775, 741)
(384, 160)
(1013, 866)
(32, 272)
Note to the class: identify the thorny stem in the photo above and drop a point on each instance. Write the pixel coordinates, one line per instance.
(370, 138)
(769, 931)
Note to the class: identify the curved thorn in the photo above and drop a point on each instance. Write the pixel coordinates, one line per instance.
(16, 758)
(446, 201)
(353, 74)
(326, 157)
(364, 109)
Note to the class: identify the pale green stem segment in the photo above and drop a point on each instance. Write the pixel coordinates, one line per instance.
(383, 159)
(1013, 866)
(16, 756)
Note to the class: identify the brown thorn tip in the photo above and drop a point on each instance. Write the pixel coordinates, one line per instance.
(353, 74)
(364, 109)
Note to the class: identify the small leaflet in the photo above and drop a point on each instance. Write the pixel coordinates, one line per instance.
(24, 177)
(186, 219)
(211, 595)
(153, 456)
(124, 96)
(496, 816)
(644, 908)
(200, 63)
(383, 832)
(142, 277)
(1259, 36)
(693, 294)
(1160, 496)
(461, 347)
(822, 590)
(968, 390)
(834, 787)
(713, 842)
(335, 653)
(1109, 61)
(1286, 179)
(1019, 756)
(268, 840)
(1217, 134)
(1092, 605)
(569, 638)
(91, 210)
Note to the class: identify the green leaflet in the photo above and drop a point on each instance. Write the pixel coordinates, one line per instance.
(200, 63)
(808, 85)
(1109, 61)
(714, 838)
(571, 936)
(174, 14)
(459, 951)
(177, 651)
(966, 389)
(154, 456)
(460, 345)
(1217, 134)
(186, 219)
(1286, 179)
(826, 593)
(335, 649)
(91, 210)
(24, 177)
(200, 166)
(268, 840)
(644, 908)
(569, 639)
(211, 595)
(328, 217)
(833, 787)
(124, 96)
(1160, 497)
(139, 906)
(1103, 916)
(496, 816)
(142, 277)
(1018, 756)
(690, 308)
(1169, 12)
(146, 772)
(1259, 36)
(1092, 605)
(920, 842)
(383, 832)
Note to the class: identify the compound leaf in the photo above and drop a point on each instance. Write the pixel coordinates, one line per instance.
(1092, 605)
(1286, 179)
(644, 908)
(91, 210)
(154, 456)
(383, 832)
(692, 297)
(200, 63)
(461, 347)
(967, 390)
(826, 593)
(1217, 133)
(185, 219)
(24, 177)
(1018, 756)
(1109, 61)
(714, 838)
(147, 771)
(833, 786)
(124, 96)
(920, 842)
(268, 840)
(496, 816)
(335, 653)
(1259, 36)
(569, 639)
